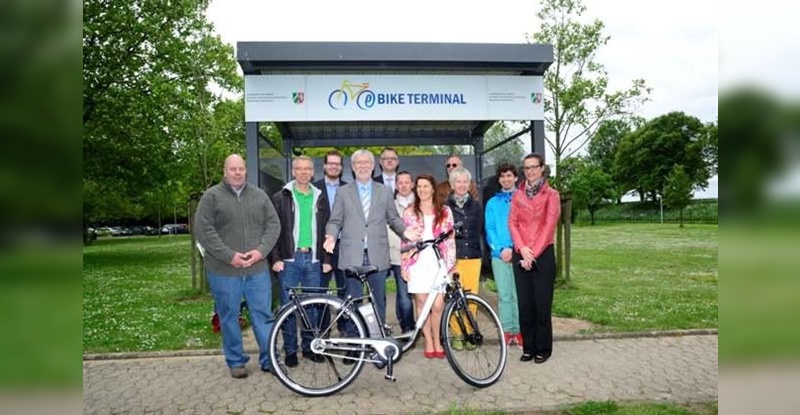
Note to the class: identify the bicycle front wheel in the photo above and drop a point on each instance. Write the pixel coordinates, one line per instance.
(472, 338)
(294, 361)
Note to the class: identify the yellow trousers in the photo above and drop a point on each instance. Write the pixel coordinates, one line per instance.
(470, 271)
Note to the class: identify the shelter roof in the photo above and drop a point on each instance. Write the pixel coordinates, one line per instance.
(389, 58)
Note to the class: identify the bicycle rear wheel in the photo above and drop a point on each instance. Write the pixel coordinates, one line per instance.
(294, 363)
(475, 347)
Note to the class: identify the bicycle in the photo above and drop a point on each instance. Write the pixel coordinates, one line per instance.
(480, 364)
(360, 93)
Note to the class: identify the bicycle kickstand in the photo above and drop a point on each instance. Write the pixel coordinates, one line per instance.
(390, 366)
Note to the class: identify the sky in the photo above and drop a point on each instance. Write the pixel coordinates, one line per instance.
(760, 44)
(672, 45)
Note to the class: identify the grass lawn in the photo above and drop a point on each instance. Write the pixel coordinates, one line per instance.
(40, 318)
(612, 408)
(137, 292)
(630, 277)
(137, 296)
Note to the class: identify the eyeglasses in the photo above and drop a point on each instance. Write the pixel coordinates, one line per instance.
(389, 158)
(330, 163)
(531, 167)
(451, 165)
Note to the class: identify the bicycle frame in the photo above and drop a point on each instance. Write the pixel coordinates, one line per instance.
(440, 282)
(353, 89)
(440, 285)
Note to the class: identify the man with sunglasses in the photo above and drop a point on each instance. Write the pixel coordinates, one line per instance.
(443, 189)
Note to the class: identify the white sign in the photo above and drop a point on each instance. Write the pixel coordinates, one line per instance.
(392, 97)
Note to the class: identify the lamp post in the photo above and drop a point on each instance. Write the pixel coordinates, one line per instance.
(661, 204)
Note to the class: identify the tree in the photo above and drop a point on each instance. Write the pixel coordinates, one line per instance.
(591, 187)
(759, 124)
(646, 156)
(577, 98)
(449, 149)
(147, 69)
(586, 182)
(202, 155)
(511, 151)
(711, 148)
(603, 145)
(605, 142)
(37, 123)
(678, 190)
(566, 172)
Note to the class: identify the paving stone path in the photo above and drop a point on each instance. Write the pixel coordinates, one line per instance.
(680, 369)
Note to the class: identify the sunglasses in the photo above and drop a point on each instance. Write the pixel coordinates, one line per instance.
(451, 165)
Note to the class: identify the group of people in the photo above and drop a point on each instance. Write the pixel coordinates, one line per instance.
(309, 233)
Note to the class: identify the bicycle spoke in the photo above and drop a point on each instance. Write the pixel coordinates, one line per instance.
(300, 331)
(473, 340)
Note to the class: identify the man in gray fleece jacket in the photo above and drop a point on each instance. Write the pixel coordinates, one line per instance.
(237, 226)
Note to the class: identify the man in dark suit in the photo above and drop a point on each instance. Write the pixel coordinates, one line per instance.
(330, 183)
(360, 215)
(389, 164)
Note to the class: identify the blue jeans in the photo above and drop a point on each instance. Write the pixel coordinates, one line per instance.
(257, 291)
(300, 272)
(377, 282)
(403, 308)
(338, 276)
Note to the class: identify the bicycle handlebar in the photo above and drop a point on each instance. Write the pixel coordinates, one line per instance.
(420, 245)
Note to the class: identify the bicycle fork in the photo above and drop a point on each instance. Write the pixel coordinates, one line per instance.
(473, 336)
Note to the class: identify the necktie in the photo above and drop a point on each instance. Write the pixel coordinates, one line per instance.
(365, 201)
(390, 182)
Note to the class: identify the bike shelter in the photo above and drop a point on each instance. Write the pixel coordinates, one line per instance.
(337, 94)
(386, 94)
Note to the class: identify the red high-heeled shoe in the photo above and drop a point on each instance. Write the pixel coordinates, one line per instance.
(439, 354)
(429, 355)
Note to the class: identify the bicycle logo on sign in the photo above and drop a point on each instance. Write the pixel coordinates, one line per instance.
(360, 93)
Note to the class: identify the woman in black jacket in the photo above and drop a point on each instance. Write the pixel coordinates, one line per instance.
(468, 212)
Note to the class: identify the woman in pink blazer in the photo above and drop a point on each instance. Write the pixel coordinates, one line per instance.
(430, 218)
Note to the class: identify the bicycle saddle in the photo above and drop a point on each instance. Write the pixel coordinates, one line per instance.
(361, 271)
